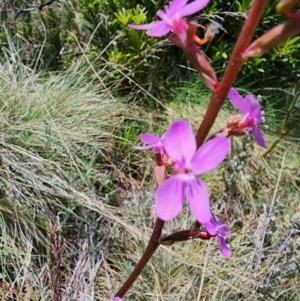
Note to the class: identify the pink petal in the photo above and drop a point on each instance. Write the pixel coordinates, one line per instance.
(158, 148)
(148, 138)
(116, 299)
(161, 14)
(210, 155)
(193, 7)
(179, 27)
(224, 248)
(198, 199)
(219, 229)
(179, 142)
(238, 101)
(258, 136)
(159, 29)
(174, 7)
(141, 26)
(222, 228)
(254, 106)
(170, 198)
(211, 228)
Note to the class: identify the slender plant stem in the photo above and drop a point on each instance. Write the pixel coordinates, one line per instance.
(288, 113)
(151, 248)
(292, 127)
(235, 63)
(284, 131)
(282, 134)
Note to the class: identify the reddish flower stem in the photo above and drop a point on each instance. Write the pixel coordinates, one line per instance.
(154, 242)
(150, 249)
(233, 67)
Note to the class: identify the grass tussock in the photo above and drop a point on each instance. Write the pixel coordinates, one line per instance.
(61, 158)
(77, 206)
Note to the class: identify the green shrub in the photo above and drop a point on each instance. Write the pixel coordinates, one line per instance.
(96, 32)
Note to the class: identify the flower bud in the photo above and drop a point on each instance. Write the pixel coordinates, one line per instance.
(286, 6)
(274, 36)
(160, 174)
(197, 57)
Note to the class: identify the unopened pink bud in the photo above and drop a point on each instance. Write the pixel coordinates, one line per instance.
(274, 36)
(197, 57)
(206, 71)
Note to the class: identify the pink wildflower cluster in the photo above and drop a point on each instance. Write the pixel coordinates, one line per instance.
(179, 144)
(177, 147)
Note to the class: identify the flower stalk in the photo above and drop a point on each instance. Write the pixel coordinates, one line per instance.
(152, 246)
(234, 65)
(184, 34)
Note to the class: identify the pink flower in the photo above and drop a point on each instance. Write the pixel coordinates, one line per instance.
(172, 18)
(153, 142)
(219, 229)
(116, 299)
(251, 109)
(180, 145)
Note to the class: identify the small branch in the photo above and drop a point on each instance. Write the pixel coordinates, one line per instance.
(33, 8)
(184, 235)
(235, 63)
